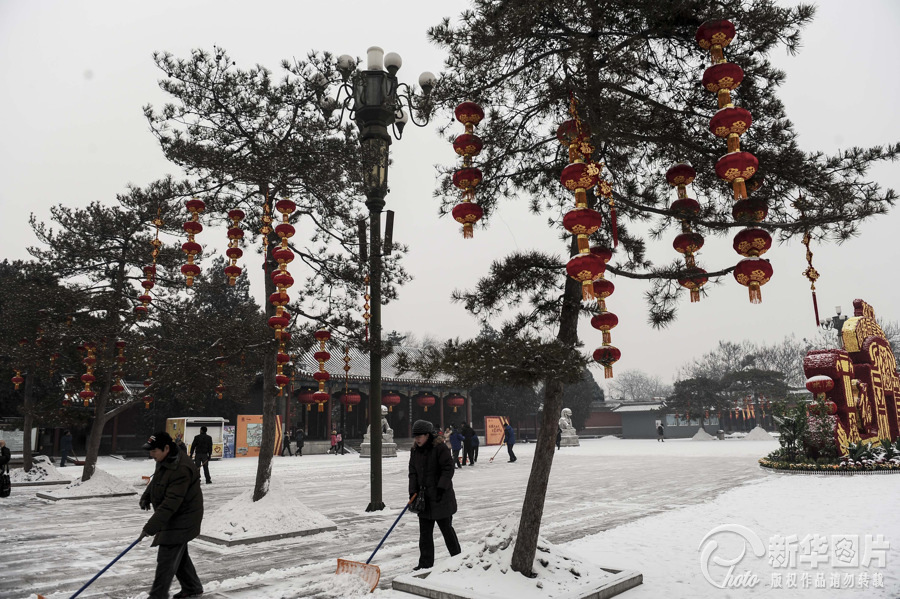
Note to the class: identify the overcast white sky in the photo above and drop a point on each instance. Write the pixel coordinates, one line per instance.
(75, 75)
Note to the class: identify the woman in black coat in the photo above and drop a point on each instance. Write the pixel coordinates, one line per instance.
(431, 473)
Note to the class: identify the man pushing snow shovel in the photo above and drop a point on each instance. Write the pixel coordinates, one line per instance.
(174, 495)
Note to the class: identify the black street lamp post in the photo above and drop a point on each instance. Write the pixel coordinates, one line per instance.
(836, 322)
(375, 101)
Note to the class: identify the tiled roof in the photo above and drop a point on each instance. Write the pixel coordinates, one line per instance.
(306, 365)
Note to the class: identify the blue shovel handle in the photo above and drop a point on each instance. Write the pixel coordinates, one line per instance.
(88, 583)
(384, 538)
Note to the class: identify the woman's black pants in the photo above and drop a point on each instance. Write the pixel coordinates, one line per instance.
(426, 539)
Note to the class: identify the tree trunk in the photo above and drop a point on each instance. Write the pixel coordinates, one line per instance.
(92, 451)
(27, 408)
(536, 491)
(267, 444)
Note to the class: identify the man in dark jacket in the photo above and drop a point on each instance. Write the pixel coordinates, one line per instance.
(468, 450)
(65, 448)
(509, 436)
(175, 496)
(456, 442)
(300, 437)
(5, 456)
(201, 451)
(431, 473)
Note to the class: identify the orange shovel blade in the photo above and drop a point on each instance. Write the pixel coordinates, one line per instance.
(369, 573)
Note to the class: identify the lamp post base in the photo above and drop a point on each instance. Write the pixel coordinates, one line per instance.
(375, 507)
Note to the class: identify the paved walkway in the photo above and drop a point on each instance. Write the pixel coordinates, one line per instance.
(54, 547)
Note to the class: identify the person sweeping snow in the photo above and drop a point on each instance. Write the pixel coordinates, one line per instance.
(431, 473)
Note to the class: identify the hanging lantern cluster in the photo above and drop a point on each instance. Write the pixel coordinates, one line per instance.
(117, 386)
(426, 400)
(87, 394)
(736, 167)
(468, 177)
(366, 315)
(604, 320)
(17, 379)
(192, 227)
(688, 242)
(391, 399)
(148, 399)
(234, 252)
(150, 270)
(350, 399)
(282, 280)
(321, 356)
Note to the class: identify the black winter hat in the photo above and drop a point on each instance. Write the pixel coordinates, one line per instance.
(422, 427)
(157, 441)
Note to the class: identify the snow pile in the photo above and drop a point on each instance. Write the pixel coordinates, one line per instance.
(347, 585)
(610, 438)
(42, 470)
(758, 434)
(702, 435)
(276, 513)
(100, 484)
(485, 568)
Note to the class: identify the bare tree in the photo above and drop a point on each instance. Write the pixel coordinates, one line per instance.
(637, 385)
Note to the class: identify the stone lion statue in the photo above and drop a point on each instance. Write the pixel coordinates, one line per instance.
(565, 420)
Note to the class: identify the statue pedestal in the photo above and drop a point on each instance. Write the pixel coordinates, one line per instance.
(569, 439)
(388, 447)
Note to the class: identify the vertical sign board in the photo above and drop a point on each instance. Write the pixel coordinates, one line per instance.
(493, 429)
(248, 436)
(228, 441)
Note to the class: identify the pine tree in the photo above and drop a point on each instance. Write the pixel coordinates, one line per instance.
(245, 139)
(633, 66)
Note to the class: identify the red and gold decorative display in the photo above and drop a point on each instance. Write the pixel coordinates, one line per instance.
(604, 320)
(735, 167)
(87, 395)
(321, 356)
(390, 399)
(467, 178)
(234, 252)
(192, 227)
(860, 379)
(150, 270)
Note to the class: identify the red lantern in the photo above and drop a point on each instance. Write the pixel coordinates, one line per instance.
(283, 255)
(190, 271)
(604, 253)
(714, 36)
(390, 399)
(585, 268)
(607, 355)
(688, 243)
(694, 279)
(350, 399)
(567, 132)
(17, 379)
(467, 214)
(307, 397)
(819, 384)
(321, 376)
(192, 227)
(322, 356)
(753, 273)
(322, 335)
(578, 177)
(605, 321)
(731, 122)
(722, 79)
(220, 390)
(116, 387)
(235, 234)
(281, 380)
(583, 222)
(680, 175)
(468, 145)
(686, 208)
(455, 400)
(752, 242)
(284, 230)
(753, 209)
(736, 168)
(426, 400)
(469, 113)
(285, 207)
(467, 178)
(320, 397)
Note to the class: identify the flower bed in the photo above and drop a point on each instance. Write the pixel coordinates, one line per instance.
(842, 467)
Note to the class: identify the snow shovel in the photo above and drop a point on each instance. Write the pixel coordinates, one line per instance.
(108, 566)
(369, 573)
(496, 452)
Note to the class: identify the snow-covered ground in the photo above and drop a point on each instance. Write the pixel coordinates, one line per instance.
(632, 504)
